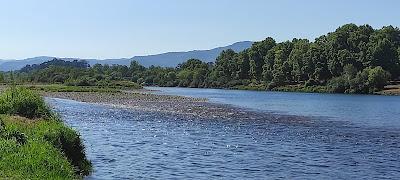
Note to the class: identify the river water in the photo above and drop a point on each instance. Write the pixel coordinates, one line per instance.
(345, 137)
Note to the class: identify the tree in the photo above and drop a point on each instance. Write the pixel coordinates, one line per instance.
(226, 64)
(296, 58)
(256, 55)
(243, 63)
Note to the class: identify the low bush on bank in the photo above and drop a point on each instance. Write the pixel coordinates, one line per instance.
(22, 102)
(40, 148)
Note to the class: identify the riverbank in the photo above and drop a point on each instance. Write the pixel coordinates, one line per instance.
(389, 90)
(184, 107)
(35, 143)
(287, 88)
(147, 100)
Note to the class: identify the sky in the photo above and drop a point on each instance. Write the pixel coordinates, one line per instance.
(125, 28)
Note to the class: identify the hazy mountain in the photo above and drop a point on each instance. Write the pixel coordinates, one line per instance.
(170, 59)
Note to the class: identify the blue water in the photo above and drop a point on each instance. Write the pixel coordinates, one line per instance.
(370, 110)
(333, 143)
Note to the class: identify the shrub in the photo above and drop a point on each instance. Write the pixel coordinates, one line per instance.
(23, 102)
(311, 82)
(377, 78)
(337, 85)
(272, 85)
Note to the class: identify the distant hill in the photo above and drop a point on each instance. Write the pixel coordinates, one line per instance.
(55, 62)
(170, 59)
(11, 65)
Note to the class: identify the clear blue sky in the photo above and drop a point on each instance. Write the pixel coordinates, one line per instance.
(124, 28)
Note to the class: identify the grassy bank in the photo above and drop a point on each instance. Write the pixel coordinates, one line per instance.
(34, 142)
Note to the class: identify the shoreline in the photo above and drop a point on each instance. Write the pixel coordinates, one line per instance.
(183, 107)
(390, 90)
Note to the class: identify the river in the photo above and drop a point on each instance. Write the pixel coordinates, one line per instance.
(345, 137)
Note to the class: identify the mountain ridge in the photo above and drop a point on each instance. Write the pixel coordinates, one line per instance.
(168, 59)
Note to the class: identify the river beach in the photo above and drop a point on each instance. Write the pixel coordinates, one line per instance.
(186, 107)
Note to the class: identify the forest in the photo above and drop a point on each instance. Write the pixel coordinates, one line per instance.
(352, 59)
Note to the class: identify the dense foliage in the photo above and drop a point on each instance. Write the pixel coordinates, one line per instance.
(352, 59)
(55, 62)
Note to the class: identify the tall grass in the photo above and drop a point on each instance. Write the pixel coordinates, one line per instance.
(34, 143)
(23, 102)
(34, 160)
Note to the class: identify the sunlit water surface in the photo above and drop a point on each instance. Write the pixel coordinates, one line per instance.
(346, 137)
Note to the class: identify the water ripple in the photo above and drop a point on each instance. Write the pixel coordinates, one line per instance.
(134, 145)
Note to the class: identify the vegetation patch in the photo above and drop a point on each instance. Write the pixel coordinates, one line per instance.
(39, 148)
(20, 101)
(64, 88)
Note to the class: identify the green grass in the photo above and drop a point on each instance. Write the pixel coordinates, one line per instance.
(39, 148)
(34, 160)
(104, 87)
(63, 88)
(20, 101)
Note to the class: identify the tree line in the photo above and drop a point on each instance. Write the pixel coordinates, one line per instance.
(352, 59)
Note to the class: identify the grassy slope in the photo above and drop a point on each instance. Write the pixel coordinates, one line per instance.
(35, 158)
(38, 147)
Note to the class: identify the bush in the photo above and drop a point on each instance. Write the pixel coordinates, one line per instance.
(272, 85)
(234, 83)
(23, 102)
(86, 81)
(124, 84)
(311, 82)
(337, 85)
(377, 78)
